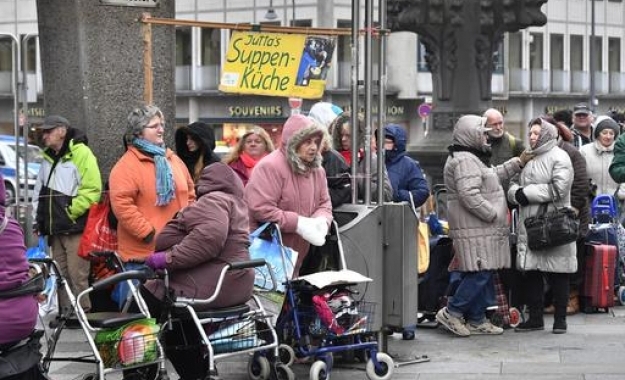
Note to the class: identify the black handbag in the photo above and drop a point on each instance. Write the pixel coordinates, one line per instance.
(551, 229)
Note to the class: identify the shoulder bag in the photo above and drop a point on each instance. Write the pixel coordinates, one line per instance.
(550, 229)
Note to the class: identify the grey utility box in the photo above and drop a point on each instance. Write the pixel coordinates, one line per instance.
(400, 266)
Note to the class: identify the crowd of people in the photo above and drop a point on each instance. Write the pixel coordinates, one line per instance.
(572, 157)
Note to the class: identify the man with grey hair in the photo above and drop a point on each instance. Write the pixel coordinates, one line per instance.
(503, 144)
(67, 185)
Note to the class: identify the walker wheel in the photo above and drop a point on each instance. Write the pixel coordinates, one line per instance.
(284, 373)
(384, 370)
(319, 371)
(286, 354)
(408, 335)
(515, 317)
(258, 368)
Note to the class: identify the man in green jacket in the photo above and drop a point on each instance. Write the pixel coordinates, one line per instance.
(67, 185)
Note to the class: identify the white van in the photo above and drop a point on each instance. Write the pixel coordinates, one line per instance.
(8, 167)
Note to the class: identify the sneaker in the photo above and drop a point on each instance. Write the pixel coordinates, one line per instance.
(530, 325)
(486, 328)
(454, 324)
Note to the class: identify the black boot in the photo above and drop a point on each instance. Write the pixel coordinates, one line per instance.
(559, 325)
(531, 324)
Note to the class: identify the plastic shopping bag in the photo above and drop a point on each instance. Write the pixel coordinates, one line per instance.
(48, 300)
(265, 244)
(98, 235)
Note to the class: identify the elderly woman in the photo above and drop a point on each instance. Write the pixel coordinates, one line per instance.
(599, 155)
(289, 187)
(194, 247)
(252, 146)
(546, 179)
(149, 184)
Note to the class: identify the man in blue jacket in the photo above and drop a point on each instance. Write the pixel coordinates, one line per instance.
(405, 173)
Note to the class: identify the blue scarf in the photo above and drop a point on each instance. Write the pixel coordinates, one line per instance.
(165, 187)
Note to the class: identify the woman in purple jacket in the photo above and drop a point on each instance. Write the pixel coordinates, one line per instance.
(194, 247)
(17, 315)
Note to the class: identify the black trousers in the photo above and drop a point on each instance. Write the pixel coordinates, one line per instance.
(533, 292)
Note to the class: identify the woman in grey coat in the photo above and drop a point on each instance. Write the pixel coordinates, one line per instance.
(478, 225)
(546, 179)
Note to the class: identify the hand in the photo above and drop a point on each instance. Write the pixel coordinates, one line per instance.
(520, 197)
(309, 229)
(526, 157)
(157, 260)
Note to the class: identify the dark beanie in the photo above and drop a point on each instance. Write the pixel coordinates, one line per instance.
(604, 122)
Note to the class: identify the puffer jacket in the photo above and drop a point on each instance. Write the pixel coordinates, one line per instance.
(476, 203)
(204, 137)
(204, 237)
(579, 190)
(546, 178)
(598, 159)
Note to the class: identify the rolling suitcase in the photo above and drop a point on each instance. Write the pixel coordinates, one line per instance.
(598, 288)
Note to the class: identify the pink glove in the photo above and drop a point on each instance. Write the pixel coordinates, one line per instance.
(157, 260)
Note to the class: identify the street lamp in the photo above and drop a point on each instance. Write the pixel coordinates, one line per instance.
(271, 13)
(591, 66)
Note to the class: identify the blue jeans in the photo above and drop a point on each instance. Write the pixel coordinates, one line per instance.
(474, 292)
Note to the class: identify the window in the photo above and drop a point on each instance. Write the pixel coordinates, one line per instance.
(183, 47)
(556, 51)
(498, 58)
(536, 51)
(304, 23)
(211, 47)
(344, 55)
(422, 65)
(577, 53)
(614, 54)
(6, 55)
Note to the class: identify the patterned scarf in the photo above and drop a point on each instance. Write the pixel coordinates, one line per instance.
(165, 186)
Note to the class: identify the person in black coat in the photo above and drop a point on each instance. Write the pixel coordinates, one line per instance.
(195, 145)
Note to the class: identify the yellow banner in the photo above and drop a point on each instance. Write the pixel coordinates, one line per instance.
(272, 64)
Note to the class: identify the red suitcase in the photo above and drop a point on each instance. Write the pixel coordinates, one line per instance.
(598, 288)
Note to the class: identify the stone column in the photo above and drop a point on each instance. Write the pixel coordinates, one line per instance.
(92, 63)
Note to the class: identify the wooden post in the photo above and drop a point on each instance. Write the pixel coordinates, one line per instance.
(148, 90)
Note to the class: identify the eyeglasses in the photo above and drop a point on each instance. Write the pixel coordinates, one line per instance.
(155, 126)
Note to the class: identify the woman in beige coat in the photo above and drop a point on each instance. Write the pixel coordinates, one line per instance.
(546, 179)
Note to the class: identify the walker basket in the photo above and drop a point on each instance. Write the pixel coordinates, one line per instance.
(356, 318)
(130, 345)
(238, 335)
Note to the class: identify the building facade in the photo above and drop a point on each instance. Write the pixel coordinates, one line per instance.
(538, 70)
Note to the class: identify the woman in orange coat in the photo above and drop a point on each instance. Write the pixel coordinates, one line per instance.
(149, 184)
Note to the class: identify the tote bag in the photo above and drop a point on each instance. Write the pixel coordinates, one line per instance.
(266, 243)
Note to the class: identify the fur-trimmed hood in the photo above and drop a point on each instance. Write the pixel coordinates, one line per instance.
(297, 129)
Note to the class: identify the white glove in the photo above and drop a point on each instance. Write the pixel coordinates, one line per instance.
(310, 229)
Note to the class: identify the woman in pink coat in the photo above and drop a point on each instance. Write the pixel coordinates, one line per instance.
(288, 187)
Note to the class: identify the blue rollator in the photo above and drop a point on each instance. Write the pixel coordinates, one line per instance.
(320, 317)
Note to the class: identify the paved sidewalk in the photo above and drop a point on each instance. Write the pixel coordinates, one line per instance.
(592, 349)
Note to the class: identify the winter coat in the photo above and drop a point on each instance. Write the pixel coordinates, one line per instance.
(360, 162)
(18, 315)
(61, 200)
(476, 203)
(338, 176)
(133, 200)
(204, 237)
(204, 137)
(404, 173)
(546, 178)
(580, 187)
(617, 167)
(282, 187)
(598, 159)
(503, 148)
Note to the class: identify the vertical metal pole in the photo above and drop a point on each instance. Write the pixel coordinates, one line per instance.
(293, 22)
(355, 42)
(368, 97)
(591, 57)
(15, 48)
(28, 222)
(381, 98)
